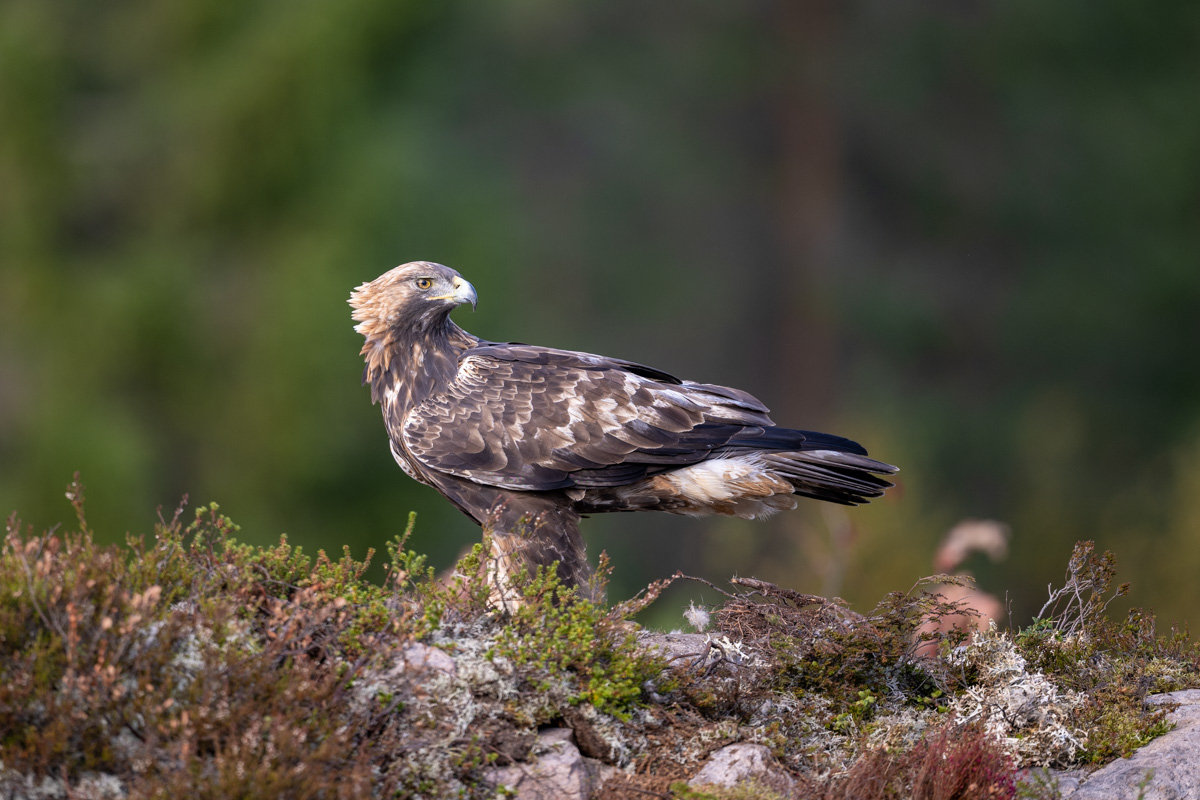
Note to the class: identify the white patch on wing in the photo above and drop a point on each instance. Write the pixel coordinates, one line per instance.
(605, 410)
(576, 412)
(470, 365)
(680, 399)
(633, 384)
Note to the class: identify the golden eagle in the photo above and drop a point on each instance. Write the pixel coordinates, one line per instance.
(525, 440)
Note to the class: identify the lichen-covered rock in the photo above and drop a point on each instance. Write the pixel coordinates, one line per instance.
(738, 764)
(675, 647)
(556, 771)
(421, 657)
(1166, 769)
(1023, 708)
(15, 786)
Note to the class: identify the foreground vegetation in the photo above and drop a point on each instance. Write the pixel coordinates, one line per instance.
(196, 666)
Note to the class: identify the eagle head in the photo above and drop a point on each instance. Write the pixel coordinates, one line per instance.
(416, 295)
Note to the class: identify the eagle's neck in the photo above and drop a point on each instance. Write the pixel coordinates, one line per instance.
(406, 364)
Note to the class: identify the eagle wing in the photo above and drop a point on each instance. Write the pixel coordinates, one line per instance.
(533, 418)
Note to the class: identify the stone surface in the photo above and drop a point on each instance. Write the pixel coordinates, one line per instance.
(1166, 769)
(1050, 782)
(676, 647)
(417, 656)
(556, 771)
(737, 763)
(589, 740)
(15, 786)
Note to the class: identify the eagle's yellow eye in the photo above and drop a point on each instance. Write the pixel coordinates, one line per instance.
(424, 283)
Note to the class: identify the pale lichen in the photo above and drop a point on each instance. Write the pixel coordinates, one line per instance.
(1025, 710)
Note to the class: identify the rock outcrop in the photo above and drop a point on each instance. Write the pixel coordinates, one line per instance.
(1166, 769)
(556, 770)
(741, 764)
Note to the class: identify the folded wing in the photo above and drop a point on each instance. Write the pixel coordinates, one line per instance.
(531, 418)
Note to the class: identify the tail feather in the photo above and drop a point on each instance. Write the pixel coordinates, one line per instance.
(833, 476)
(719, 468)
(860, 462)
(818, 465)
(787, 439)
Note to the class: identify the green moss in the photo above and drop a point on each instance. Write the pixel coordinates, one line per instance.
(556, 634)
(1117, 728)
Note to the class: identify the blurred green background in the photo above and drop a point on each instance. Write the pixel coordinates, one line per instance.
(966, 235)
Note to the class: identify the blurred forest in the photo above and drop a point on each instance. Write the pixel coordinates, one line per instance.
(965, 234)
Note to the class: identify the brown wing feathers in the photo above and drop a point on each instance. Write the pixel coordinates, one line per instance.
(528, 418)
(536, 424)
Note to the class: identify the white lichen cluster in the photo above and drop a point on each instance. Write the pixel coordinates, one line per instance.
(458, 687)
(901, 729)
(201, 645)
(722, 649)
(802, 720)
(89, 786)
(1028, 714)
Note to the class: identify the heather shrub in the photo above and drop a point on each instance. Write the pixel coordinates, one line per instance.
(198, 666)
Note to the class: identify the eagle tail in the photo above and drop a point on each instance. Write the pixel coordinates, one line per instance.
(818, 465)
(760, 471)
(832, 475)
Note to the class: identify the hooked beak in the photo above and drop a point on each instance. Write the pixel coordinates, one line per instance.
(464, 292)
